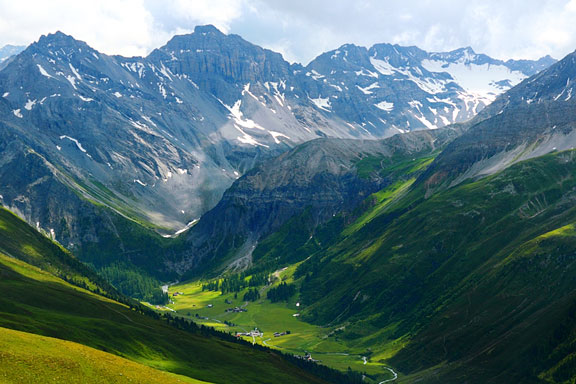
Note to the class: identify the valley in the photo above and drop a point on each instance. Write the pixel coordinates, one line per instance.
(321, 342)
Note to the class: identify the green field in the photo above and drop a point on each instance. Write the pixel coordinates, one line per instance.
(323, 343)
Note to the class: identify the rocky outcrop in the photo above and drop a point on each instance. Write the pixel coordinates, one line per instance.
(322, 176)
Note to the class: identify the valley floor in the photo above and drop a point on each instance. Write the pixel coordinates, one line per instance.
(323, 343)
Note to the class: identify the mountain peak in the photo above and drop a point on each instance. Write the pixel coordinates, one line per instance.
(60, 40)
(57, 36)
(207, 29)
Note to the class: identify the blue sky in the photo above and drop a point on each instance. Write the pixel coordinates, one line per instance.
(302, 29)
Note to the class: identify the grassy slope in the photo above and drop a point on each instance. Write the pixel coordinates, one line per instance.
(37, 302)
(19, 240)
(301, 236)
(28, 358)
(450, 269)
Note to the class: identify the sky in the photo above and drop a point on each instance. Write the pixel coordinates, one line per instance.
(303, 29)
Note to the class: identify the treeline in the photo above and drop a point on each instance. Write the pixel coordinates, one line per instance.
(251, 295)
(283, 292)
(321, 371)
(236, 283)
(135, 284)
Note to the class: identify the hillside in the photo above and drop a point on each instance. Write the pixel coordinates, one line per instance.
(28, 358)
(474, 284)
(37, 302)
(466, 275)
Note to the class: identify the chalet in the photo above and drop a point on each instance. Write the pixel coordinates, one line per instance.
(308, 357)
(254, 333)
(236, 310)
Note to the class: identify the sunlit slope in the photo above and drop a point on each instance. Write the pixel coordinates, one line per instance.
(36, 301)
(29, 358)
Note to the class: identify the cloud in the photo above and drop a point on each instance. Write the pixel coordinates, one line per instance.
(128, 27)
(504, 29)
(302, 29)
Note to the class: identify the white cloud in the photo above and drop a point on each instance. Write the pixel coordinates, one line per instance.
(301, 29)
(128, 27)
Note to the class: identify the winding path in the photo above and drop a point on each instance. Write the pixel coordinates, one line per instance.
(392, 379)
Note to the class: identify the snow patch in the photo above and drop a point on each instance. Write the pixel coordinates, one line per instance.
(247, 139)
(43, 71)
(117, 94)
(382, 66)
(180, 231)
(30, 104)
(74, 71)
(322, 103)
(276, 135)
(239, 119)
(484, 80)
(385, 106)
(80, 147)
(367, 90)
(72, 80)
(86, 99)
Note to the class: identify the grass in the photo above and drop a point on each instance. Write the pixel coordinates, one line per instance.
(383, 199)
(36, 302)
(28, 358)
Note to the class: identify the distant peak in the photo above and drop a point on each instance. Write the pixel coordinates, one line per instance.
(204, 29)
(58, 35)
(58, 38)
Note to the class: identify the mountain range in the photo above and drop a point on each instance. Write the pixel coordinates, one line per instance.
(154, 142)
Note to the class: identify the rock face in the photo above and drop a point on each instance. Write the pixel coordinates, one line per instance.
(324, 176)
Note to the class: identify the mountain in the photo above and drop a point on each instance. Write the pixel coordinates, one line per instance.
(390, 88)
(43, 315)
(8, 51)
(532, 119)
(474, 282)
(107, 153)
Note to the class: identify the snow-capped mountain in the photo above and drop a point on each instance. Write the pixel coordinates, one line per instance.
(160, 138)
(530, 120)
(389, 88)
